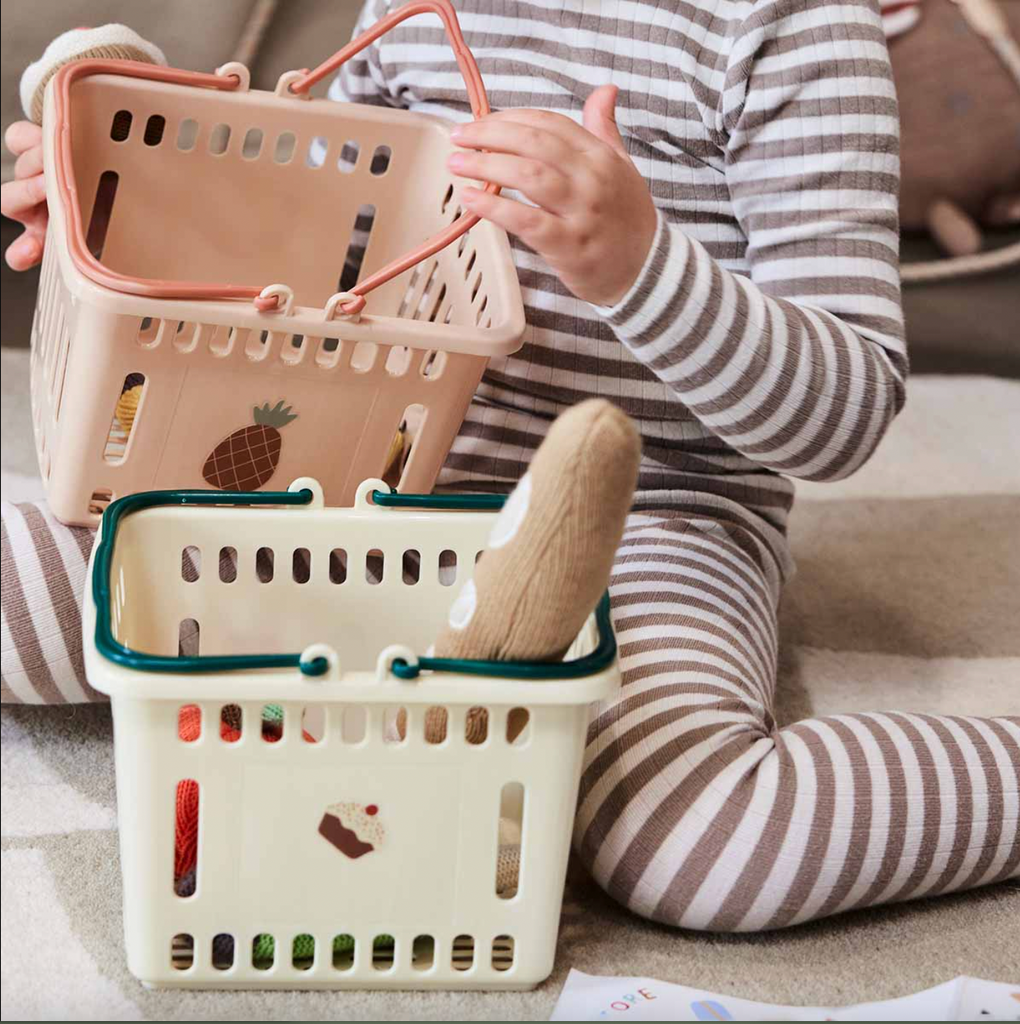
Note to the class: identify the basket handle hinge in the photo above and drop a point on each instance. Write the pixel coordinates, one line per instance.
(396, 655)
(235, 69)
(320, 662)
(275, 298)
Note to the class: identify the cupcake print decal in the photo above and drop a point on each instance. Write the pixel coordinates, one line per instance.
(354, 829)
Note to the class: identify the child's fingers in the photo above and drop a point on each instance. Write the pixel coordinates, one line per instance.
(518, 139)
(25, 251)
(540, 182)
(546, 121)
(538, 228)
(22, 135)
(19, 197)
(30, 163)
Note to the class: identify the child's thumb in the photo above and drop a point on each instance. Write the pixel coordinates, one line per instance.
(600, 117)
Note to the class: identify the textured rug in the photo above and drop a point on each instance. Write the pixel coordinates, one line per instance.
(908, 596)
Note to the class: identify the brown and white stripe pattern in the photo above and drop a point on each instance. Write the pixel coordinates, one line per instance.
(764, 338)
(762, 341)
(44, 566)
(697, 811)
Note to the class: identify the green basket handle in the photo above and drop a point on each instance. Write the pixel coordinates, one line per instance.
(113, 650)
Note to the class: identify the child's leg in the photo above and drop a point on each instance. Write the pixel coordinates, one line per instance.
(43, 571)
(695, 810)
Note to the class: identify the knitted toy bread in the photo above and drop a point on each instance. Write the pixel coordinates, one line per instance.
(114, 42)
(552, 547)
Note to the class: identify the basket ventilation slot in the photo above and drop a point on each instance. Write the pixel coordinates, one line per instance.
(101, 497)
(231, 723)
(511, 820)
(411, 573)
(187, 135)
(354, 725)
(127, 412)
(361, 233)
(317, 150)
(383, 953)
(375, 566)
(154, 129)
(265, 565)
(120, 128)
(191, 564)
(348, 158)
(313, 723)
(187, 838)
(476, 726)
(189, 723)
(182, 952)
(263, 951)
(219, 139)
(283, 152)
(518, 726)
(222, 952)
(343, 952)
(102, 211)
(301, 565)
(502, 952)
(228, 565)
(394, 725)
(447, 573)
(272, 723)
(302, 954)
(436, 725)
(381, 160)
(252, 144)
(338, 566)
(188, 638)
(423, 953)
(462, 956)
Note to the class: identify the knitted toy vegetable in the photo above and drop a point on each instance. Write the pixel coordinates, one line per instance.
(957, 74)
(248, 457)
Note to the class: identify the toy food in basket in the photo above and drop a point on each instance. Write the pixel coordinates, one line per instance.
(278, 731)
(221, 254)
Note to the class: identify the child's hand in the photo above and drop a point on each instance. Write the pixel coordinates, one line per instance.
(595, 220)
(24, 198)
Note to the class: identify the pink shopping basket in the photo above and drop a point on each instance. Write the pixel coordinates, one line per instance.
(149, 371)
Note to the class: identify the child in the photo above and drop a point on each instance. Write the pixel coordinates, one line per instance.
(702, 203)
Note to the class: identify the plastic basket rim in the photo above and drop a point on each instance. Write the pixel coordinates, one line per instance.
(468, 339)
(596, 661)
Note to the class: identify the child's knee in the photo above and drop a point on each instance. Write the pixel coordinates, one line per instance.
(664, 894)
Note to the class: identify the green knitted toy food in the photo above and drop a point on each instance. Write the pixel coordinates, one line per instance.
(263, 949)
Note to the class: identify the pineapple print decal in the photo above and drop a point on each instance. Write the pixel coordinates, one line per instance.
(246, 459)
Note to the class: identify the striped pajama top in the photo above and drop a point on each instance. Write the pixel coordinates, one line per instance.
(764, 337)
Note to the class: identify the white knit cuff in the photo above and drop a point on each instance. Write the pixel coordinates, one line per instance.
(112, 41)
(641, 282)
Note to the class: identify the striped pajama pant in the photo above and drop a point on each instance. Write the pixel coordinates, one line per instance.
(697, 810)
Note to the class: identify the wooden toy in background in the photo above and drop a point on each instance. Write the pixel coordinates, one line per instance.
(957, 74)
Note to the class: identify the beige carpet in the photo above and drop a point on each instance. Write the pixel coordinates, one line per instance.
(908, 596)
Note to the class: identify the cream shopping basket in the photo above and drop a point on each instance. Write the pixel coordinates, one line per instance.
(149, 371)
(362, 815)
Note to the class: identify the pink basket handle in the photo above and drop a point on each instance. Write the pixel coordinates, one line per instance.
(88, 265)
(479, 107)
